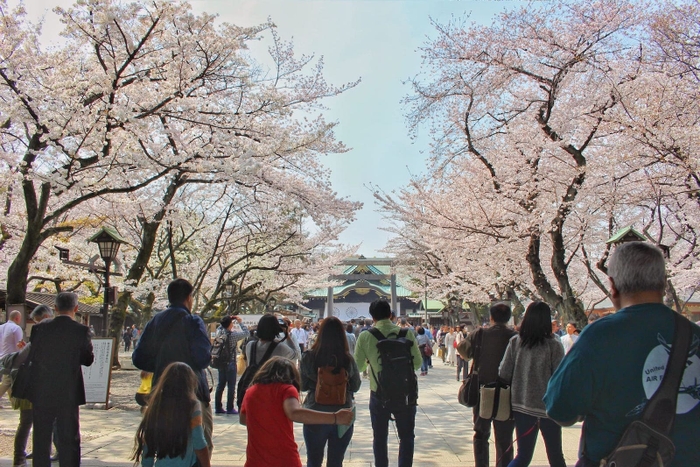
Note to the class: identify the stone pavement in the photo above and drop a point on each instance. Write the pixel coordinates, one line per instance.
(443, 432)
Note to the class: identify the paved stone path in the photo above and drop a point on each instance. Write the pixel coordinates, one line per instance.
(443, 432)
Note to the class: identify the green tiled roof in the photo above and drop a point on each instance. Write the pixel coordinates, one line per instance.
(620, 234)
(385, 289)
(383, 286)
(435, 305)
(111, 231)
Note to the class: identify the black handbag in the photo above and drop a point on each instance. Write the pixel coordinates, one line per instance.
(468, 394)
(22, 382)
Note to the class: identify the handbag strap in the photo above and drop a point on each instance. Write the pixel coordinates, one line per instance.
(660, 410)
(267, 354)
(477, 351)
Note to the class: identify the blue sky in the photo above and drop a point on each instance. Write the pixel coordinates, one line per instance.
(376, 40)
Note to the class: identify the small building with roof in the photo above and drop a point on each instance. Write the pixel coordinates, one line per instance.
(87, 314)
(626, 234)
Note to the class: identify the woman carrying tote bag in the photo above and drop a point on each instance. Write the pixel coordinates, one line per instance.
(529, 361)
(328, 358)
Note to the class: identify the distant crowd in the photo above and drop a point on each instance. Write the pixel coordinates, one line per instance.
(635, 369)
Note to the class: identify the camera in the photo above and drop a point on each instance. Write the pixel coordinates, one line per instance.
(283, 323)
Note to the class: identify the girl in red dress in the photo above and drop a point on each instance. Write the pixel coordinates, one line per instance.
(270, 406)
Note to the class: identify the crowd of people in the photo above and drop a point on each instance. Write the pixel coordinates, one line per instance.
(309, 374)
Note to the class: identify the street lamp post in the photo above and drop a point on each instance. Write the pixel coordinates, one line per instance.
(271, 303)
(425, 297)
(108, 242)
(228, 296)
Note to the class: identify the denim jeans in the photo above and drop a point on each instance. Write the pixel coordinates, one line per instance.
(227, 377)
(526, 428)
(426, 363)
(316, 437)
(503, 432)
(462, 365)
(405, 425)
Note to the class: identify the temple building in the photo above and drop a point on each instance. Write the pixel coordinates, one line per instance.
(361, 281)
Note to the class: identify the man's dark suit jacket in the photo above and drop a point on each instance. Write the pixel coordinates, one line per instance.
(59, 347)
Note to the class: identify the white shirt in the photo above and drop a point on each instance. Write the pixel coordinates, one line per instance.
(351, 342)
(10, 335)
(300, 335)
(568, 340)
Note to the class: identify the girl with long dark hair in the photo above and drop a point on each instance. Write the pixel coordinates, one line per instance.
(171, 433)
(329, 350)
(529, 361)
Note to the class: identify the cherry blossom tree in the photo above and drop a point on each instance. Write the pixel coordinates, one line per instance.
(533, 166)
(144, 105)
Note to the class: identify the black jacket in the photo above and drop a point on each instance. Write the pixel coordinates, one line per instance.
(493, 346)
(59, 347)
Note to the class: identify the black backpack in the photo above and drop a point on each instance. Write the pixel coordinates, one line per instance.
(220, 351)
(397, 385)
(250, 371)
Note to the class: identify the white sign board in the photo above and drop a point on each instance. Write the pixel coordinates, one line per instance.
(347, 311)
(248, 320)
(97, 376)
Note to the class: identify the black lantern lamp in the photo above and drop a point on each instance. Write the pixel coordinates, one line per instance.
(108, 241)
(228, 295)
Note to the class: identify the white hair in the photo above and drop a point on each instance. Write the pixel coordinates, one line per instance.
(66, 302)
(637, 267)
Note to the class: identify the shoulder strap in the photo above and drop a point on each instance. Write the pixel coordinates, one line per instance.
(377, 333)
(660, 411)
(268, 352)
(253, 352)
(478, 340)
(403, 332)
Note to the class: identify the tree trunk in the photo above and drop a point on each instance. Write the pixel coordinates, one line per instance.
(516, 305)
(133, 277)
(18, 272)
(671, 299)
(149, 236)
(567, 305)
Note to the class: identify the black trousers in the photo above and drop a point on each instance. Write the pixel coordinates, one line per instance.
(67, 424)
(22, 436)
(503, 432)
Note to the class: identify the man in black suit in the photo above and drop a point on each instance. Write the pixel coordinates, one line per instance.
(59, 347)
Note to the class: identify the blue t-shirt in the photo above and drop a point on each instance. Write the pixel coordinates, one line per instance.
(195, 442)
(611, 372)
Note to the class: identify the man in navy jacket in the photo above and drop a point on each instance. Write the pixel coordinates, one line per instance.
(176, 335)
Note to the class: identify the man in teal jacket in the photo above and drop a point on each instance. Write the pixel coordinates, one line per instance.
(618, 362)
